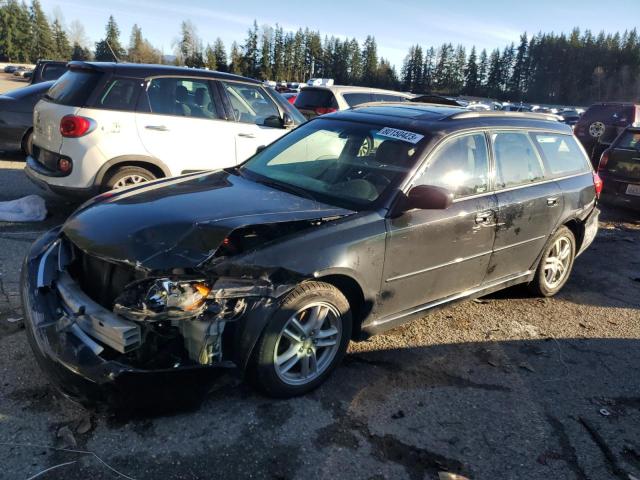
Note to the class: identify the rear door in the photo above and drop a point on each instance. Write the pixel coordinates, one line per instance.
(180, 121)
(65, 97)
(529, 204)
(255, 119)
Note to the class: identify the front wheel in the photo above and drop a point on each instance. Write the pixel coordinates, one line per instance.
(556, 263)
(303, 342)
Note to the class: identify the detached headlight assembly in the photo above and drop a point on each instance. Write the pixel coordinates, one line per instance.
(163, 299)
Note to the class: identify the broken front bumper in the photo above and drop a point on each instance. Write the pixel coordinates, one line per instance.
(73, 361)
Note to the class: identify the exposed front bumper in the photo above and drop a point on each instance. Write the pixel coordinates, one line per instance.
(73, 364)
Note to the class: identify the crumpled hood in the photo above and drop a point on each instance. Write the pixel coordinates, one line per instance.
(179, 223)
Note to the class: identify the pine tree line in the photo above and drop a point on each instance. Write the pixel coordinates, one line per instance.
(578, 68)
(547, 68)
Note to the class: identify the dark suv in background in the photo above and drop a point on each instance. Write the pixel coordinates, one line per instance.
(602, 123)
(275, 265)
(47, 70)
(619, 169)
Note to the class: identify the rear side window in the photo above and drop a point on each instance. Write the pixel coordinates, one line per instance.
(311, 98)
(562, 154)
(461, 166)
(184, 97)
(53, 71)
(120, 94)
(517, 161)
(74, 87)
(629, 140)
(354, 99)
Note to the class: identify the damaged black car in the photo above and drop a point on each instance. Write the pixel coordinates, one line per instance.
(349, 225)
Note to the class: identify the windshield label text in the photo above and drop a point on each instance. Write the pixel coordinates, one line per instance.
(401, 135)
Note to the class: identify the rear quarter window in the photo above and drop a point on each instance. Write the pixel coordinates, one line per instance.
(74, 87)
(561, 153)
(120, 94)
(310, 98)
(53, 71)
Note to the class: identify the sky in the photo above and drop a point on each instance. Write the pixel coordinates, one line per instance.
(396, 25)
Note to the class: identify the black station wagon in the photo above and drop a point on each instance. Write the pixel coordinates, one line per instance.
(347, 226)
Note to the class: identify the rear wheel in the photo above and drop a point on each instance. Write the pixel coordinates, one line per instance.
(303, 342)
(556, 263)
(125, 177)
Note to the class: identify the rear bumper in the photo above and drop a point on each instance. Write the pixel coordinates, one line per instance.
(41, 176)
(74, 367)
(614, 192)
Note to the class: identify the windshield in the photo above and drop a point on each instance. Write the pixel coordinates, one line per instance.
(342, 163)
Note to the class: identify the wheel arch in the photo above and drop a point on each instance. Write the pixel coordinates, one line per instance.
(354, 294)
(152, 164)
(577, 228)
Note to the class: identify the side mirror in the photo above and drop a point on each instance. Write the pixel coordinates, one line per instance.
(273, 121)
(428, 197)
(287, 121)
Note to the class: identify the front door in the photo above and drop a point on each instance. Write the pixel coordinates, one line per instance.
(184, 127)
(255, 116)
(432, 254)
(529, 207)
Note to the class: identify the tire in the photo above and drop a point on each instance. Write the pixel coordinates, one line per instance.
(309, 298)
(548, 279)
(27, 143)
(124, 177)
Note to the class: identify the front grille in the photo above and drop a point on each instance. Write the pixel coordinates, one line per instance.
(102, 281)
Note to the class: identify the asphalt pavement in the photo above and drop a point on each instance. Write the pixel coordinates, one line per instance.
(507, 387)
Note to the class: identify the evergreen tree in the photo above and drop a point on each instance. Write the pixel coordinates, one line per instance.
(250, 64)
(265, 72)
(109, 49)
(355, 72)
(369, 61)
(428, 69)
(278, 54)
(237, 60)
(483, 72)
(220, 55)
(494, 76)
(210, 58)
(62, 47)
(80, 53)
(516, 84)
(471, 74)
(42, 44)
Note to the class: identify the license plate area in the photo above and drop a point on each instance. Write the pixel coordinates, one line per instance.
(633, 190)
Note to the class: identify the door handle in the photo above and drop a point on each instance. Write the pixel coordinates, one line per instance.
(484, 218)
(552, 201)
(246, 135)
(157, 128)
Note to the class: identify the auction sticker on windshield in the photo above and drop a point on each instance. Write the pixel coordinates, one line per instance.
(400, 135)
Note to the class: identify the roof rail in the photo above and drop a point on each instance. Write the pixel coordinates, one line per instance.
(501, 114)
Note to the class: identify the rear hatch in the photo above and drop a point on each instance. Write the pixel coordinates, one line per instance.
(65, 97)
(624, 158)
(315, 101)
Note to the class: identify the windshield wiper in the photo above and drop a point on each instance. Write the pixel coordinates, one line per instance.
(299, 191)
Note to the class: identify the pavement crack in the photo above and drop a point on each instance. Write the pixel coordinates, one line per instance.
(569, 455)
(608, 454)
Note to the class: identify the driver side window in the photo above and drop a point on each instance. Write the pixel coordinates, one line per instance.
(461, 165)
(250, 103)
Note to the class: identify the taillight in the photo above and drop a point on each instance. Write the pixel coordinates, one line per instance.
(74, 126)
(325, 110)
(604, 159)
(292, 100)
(597, 183)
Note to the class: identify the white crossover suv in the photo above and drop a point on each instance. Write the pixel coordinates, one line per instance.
(104, 125)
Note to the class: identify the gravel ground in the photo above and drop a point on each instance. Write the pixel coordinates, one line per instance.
(508, 387)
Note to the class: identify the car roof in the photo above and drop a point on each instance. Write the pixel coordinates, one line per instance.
(355, 89)
(429, 118)
(143, 70)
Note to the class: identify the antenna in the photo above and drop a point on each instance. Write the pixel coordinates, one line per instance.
(112, 52)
